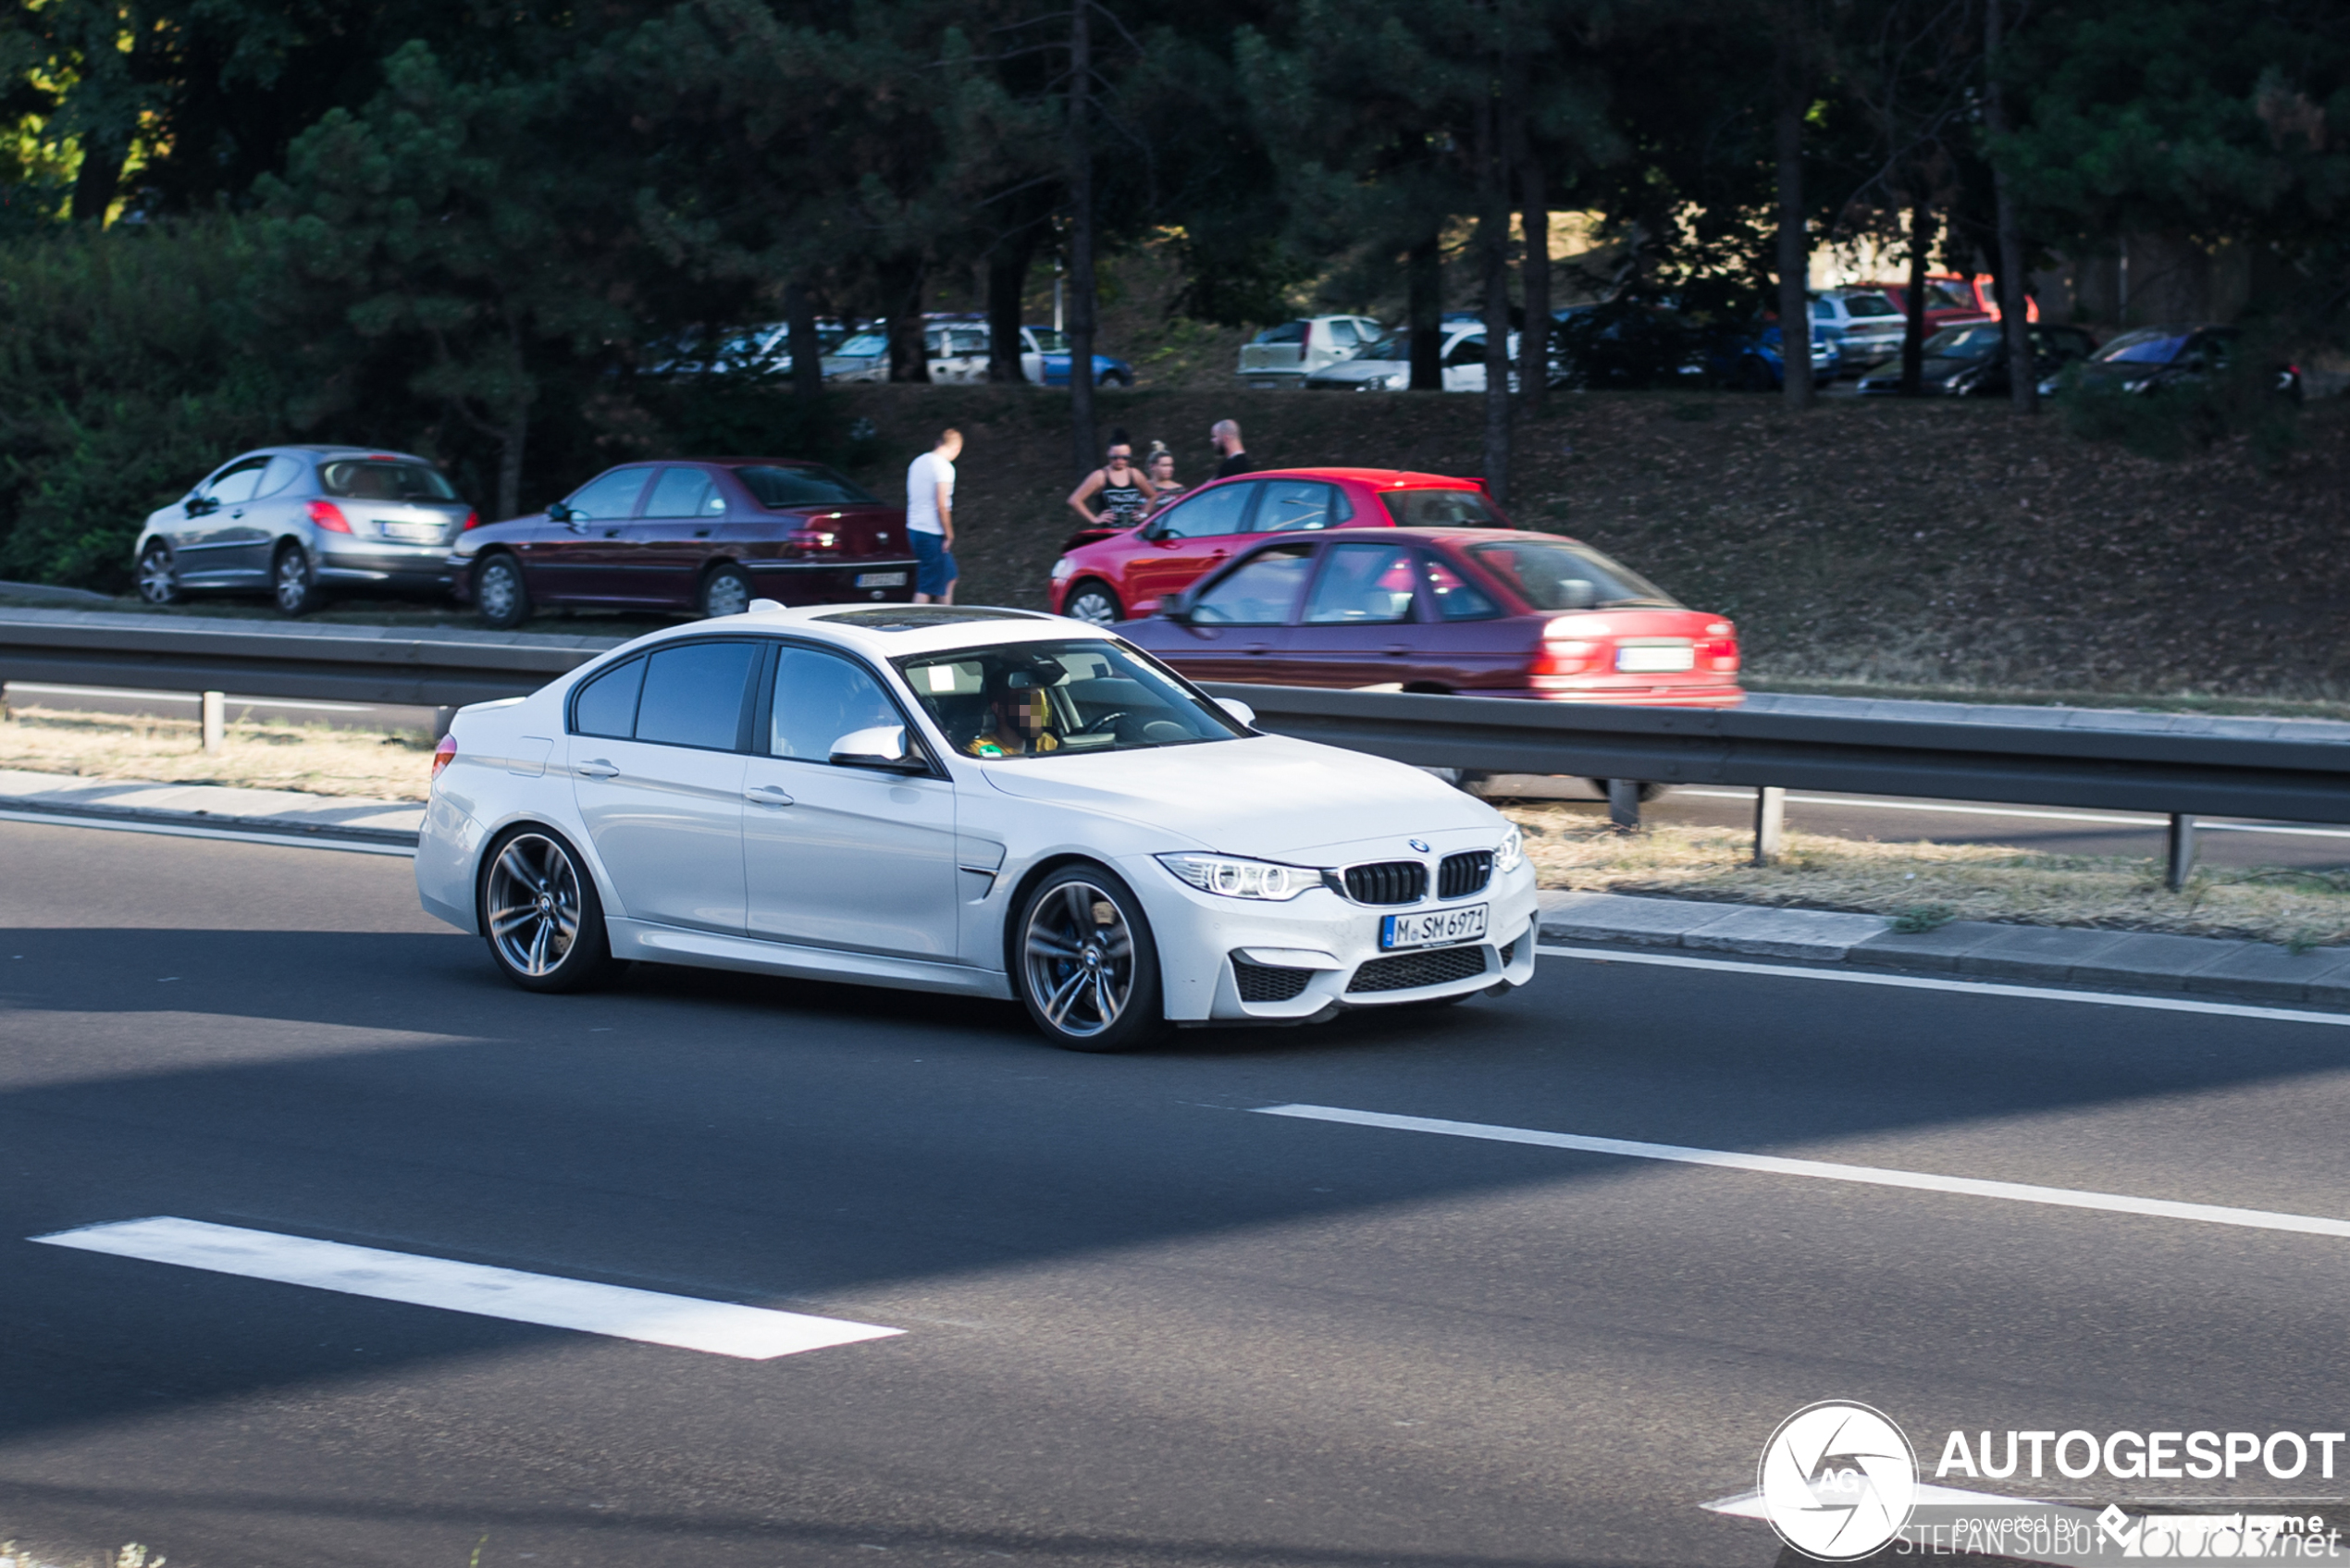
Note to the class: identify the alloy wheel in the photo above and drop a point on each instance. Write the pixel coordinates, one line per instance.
(1079, 953)
(158, 579)
(533, 907)
(728, 593)
(498, 594)
(291, 580)
(1091, 604)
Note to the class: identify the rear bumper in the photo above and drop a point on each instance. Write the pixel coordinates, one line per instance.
(410, 568)
(1637, 697)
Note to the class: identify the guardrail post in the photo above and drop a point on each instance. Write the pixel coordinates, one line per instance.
(2182, 851)
(1770, 823)
(1624, 805)
(215, 722)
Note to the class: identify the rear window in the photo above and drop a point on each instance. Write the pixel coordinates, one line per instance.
(374, 478)
(1442, 509)
(800, 486)
(2147, 345)
(1563, 575)
(865, 345)
(1287, 332)
(1870, 304)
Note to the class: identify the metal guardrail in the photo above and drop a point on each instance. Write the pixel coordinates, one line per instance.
(2179, 766)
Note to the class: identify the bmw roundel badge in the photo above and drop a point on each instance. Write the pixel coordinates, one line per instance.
(1416, 844)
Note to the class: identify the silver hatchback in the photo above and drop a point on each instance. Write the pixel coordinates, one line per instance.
(301, 522)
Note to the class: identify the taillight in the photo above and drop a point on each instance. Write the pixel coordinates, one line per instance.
(1570, 647)
(444, 753)
(814, 538)
(1720, 651)
(473, 519)
(328, 515)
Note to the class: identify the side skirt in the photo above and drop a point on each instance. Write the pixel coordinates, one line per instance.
(710, 950)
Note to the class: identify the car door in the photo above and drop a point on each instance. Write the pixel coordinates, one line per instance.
(1238, 628)
(672, 537)
(210, 550)
(836, 856)
(657, 759)
(277, 506)
(1465, 364)
(1357, 628)
(583, 559)
(1186, 540)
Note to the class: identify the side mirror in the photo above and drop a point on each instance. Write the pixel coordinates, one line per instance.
(1177, 607)
(200, 506)
(881, 747)
(558, 513)
(1238, 709)
(1577, 594)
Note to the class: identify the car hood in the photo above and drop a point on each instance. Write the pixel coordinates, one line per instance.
(1267, 797)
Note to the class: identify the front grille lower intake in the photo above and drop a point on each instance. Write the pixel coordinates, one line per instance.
(1264, 982)
(1408, 971)
(1387, 882)
(1465, 873)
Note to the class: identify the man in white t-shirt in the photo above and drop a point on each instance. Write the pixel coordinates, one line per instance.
(930, 519)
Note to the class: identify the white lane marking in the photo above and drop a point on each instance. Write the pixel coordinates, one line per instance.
(1979, 987)
(719, 1328)
(233, 700)
(1749, 1505)
(174, 830)
(1825, 1170)
(2201, 825)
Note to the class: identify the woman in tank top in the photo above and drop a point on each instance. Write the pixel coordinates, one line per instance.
(1123, 491)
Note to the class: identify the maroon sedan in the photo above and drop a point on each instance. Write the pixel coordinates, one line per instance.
(705, 536)
(1481, 613)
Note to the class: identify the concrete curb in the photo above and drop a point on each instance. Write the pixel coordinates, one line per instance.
(2110, 960)
(283, 811)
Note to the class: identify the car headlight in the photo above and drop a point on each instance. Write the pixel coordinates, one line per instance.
(1511, 851)
(1236, 878)
(1062, 569)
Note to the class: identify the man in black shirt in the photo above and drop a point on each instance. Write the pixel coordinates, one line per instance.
(1227, 437)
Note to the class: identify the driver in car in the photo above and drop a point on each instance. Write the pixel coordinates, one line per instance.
(1019, 718)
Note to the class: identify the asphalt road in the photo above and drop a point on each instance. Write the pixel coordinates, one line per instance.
(1142, 1324)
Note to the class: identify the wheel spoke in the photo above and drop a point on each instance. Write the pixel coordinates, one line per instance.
(1046, 944)
(507, 921)
(1080, 901)
(1106, 1004)
(538, 946)
(1056, 1006)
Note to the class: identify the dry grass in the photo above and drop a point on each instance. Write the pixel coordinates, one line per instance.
(272, 755)
(1925, 884)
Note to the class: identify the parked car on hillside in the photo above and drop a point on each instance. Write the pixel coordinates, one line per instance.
(1284, 355)
(1950, 301)
(864, 357)
(704, 536)
(302, 523)
(2155, 359)
(1108, 576)
(1480, 612)
(1971, 359)
(1045, 361)
(1862, 324)
(1386, 365)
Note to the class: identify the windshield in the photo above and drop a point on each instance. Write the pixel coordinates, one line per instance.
(1033, 700)
(1977, 341)
(2147, 345)
(865, 345)
(1395, 346)
(373, 478)
(800, 486)
(1868, 305)
(1442, 509)
(1561, 576)
(1049, 342)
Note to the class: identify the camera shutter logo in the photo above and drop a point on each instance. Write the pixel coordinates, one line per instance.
(1838, 1480)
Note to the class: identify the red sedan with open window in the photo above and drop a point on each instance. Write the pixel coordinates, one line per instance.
(1480, 613)
(1112, 574)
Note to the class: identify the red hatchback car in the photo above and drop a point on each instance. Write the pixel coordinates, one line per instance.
(1474, 612)
(704, 536)
(1104, 575)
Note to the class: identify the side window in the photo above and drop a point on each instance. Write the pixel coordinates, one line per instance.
(1362, 585)
(1455, 600)
(819, 697)
(277, 476)
(1469, 349)
(1260, 591)
(611, 497)
(1291, 505)
(694, 693)
(684, 492)
(607, 705)
(1223, 510)
(239, 483)
(1343, 333)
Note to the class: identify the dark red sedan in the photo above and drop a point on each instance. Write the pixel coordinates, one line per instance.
(1108, 575)
(705, 536)
(1474, 612)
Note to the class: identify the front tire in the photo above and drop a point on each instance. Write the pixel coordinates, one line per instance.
(1093, 602)
(501, 596)
(292, 585)
(726, 591)
(159, 574)
(540, 914)
(1085, 964)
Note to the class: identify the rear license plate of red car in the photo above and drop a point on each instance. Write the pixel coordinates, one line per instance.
(1652, 658)
(1433, 928)
(881, 579)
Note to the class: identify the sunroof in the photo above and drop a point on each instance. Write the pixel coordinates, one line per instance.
(919, 617)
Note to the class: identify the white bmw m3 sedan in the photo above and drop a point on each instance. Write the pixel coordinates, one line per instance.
(985, 802)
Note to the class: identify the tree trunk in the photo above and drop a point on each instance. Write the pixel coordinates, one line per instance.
(1493, 250)
(2015, 308)
(1795, 247)
(902, 285)
(1914, 330)
(1008, 266)
(510, 451)
(1534, 339)
(807, 351)
(101, 177)
(1425, 269)
(1080, 237)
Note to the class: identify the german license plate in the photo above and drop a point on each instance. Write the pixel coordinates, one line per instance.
(881, 579)
(413, 533)
(1653, 658)
(1433, 928)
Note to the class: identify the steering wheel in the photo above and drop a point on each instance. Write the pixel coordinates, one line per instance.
(1093, 726)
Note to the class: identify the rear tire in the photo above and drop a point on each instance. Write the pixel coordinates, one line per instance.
(1090, 983)
(500, 597)
(1093, 602)
(293, 586)
(539, 912)
(159, 574)
(726, 591)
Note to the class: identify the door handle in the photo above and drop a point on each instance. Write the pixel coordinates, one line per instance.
(595, 768)
(766, 794)
(1397, 649)
(1257, 647)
